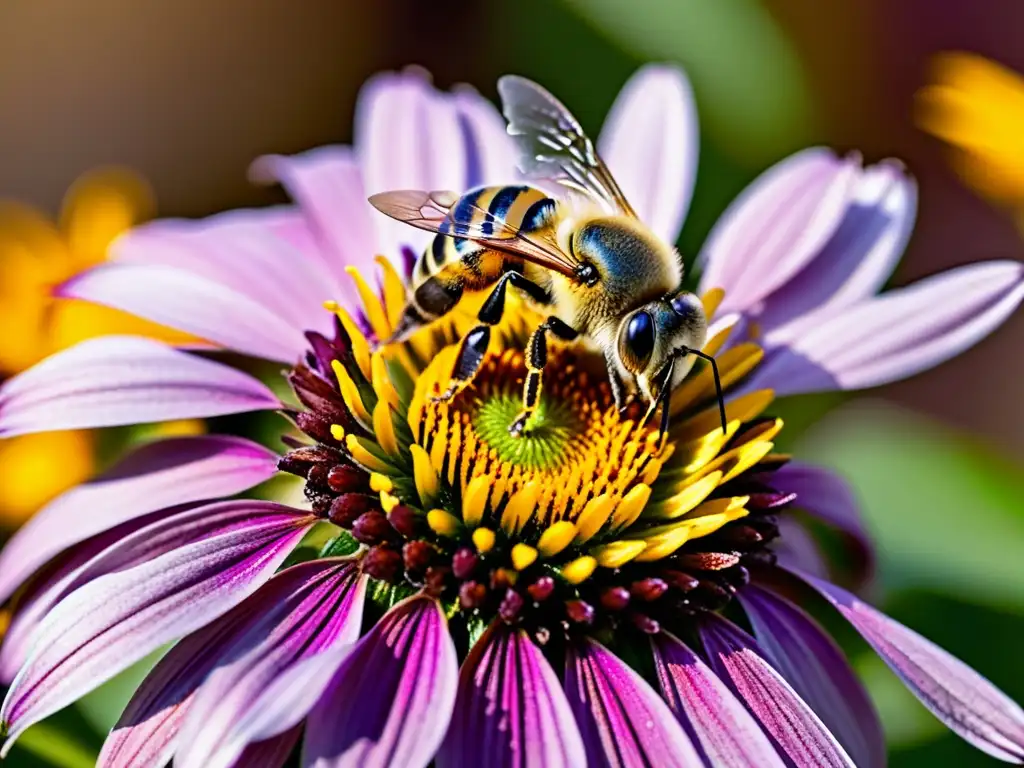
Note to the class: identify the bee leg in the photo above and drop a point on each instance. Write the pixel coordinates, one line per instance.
(474, 345)
(617, 385)
(536, 358)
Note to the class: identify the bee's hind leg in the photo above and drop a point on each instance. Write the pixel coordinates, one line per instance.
(474, 344)
(536, 358)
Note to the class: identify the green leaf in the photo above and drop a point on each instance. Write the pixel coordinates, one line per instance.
(946, 512)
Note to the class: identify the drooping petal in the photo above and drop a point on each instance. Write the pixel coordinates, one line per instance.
(268, 255)
(326, 614)
(814, 665)
(116, 380)
(897, 334)
(157, 475)
(56, 580)
(407, 136)
(621, 718)
(719, 724)
(797, 547)
(392, 699)
(826, 496)
(650, 142)
(148, 731)
(327, 183)
(510, 711)
(966, 702)
(226, 552)
(796, 729)
(855, 263)
(187, 302)
(490, 151)
(776, 226)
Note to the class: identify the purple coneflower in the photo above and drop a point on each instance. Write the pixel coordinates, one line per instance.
(586, 594)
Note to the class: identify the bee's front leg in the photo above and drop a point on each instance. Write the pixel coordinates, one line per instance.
(474, 344)
(536, 358)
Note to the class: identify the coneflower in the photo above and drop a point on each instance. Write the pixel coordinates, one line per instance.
(594, 592)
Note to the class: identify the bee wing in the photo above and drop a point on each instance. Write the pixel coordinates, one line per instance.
(552, 143)
(437, 212)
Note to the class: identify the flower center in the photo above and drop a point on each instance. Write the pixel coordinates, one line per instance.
(578, 448)
(589, 519)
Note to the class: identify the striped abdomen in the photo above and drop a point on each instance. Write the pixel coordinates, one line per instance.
(453, 263)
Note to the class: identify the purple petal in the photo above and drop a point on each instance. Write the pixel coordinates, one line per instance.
(157, 475)
(650, 142)
(327, 183)
(53, 583)
(965, 701)
(776, 226)
(227, 551)
(797, 547)
(897, 334)
(407, 136)
(510, 710)
(829, 498)
(325, 615)
(621, 718)
(117, 380)
(796, 729)
(856, 261)
(148, 730)
(726, 733)
(267, 255)
(491, 153)
(391, 701)
(812, 663)
(271, 753)
(179, 299)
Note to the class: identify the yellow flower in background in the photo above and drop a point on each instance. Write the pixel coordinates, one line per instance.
(36, 255)
(977, 106)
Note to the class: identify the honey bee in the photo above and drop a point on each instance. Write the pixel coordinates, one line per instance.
(584, 259)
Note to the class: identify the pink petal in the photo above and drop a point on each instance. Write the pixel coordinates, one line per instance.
(157, 475)
(327, 183)
(266, 254)
(829, 498)
(491, 153)
(621, 718)
(226, 551)
(965, 701)
(116, 380)
(510, 710)
(326, 614)
(813, 664)
(726, 733)
(898, 334)
(148, 731)
(796, 729)
(182, 300)
(650, 142)
(391, 701)
(856, 261)
(776, 226)
(407, 136)
(56, 580)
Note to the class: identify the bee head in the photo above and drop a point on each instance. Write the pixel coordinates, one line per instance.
(655, 334)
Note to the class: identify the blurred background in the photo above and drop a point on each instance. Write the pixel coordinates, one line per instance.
(185, 94)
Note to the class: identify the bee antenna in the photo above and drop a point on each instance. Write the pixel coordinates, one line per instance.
(718, 380)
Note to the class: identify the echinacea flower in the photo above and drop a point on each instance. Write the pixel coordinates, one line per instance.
(593, 592)
(977, 106)
(35, 256)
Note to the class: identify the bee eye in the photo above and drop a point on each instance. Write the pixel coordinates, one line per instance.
(636, 343)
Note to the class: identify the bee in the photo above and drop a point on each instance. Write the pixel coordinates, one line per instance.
(584, 259)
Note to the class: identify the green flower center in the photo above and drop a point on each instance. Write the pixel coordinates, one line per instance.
(552, 427)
